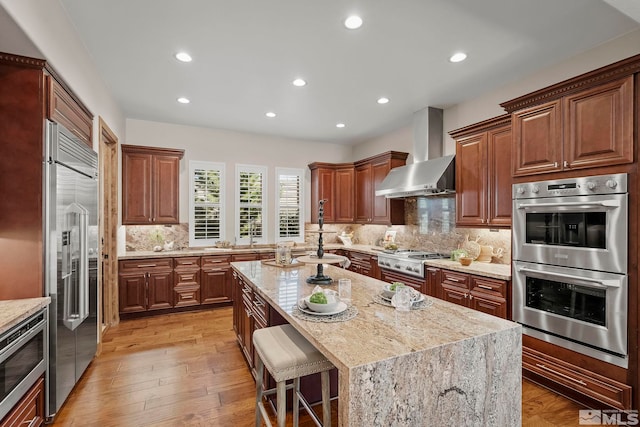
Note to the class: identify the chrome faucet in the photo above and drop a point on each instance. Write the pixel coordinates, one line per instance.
(252, 229)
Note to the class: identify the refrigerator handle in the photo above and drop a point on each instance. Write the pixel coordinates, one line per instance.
(76, 286)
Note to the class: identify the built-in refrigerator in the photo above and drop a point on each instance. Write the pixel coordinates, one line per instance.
(71, 260)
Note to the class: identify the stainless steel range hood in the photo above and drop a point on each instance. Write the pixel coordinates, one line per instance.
(430, 174)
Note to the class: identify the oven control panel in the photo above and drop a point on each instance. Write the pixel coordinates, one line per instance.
(581, 186)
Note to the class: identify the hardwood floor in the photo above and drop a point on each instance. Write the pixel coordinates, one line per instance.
(187, 370)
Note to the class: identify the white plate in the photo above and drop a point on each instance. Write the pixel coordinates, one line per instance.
(420, 298)
(342, 306)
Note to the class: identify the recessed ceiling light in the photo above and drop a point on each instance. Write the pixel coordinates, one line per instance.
(270, 114)
(383, 100)
(340, 125)
(183, 57)
(299, 82)
(183, 100)
(353, 22)
(458, 57)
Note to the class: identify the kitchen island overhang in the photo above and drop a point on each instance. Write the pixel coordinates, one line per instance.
(443, 365)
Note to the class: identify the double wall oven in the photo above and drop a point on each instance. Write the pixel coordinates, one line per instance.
(570, 240)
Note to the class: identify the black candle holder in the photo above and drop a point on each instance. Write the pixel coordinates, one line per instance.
(320, 278)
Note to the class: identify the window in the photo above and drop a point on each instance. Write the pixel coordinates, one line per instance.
(289, 200)
(250, 204)
(206, 196)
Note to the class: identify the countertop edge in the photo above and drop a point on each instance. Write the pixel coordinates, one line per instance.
(13, 312)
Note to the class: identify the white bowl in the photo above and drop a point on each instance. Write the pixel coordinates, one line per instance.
(387, 292)
(331, 305)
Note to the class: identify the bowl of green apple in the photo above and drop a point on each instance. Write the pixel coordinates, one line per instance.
(390, 289)
(322, 302)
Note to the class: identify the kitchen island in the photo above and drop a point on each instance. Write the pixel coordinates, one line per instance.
(442, 365)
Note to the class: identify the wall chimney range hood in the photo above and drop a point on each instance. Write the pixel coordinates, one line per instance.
(431, 173)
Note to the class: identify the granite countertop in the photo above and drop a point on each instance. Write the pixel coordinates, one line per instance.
(497, 271)
(14, 311)
(400, 363)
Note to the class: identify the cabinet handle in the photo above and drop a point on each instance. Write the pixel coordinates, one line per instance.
(566, 164)
(32, 422)
(555, 164)
(249, 314)
(186, 263)
(485, 287)
(553, 371)
(149, 219)
(452, 279)
(258, 303)
(219, 269)
(235, 275)
(470, 297)
(246, 290)
(146, 265)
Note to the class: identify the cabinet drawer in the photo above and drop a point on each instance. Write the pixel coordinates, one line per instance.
(453, 278)
(245, 257)
(602, 389)
(260, 308)
(215, 261)
(187, 295)
(186, 277)
(187, 262)
(146, 264)
(485, 285)
(30, 410)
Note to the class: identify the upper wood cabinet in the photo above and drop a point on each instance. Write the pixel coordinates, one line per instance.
(583, 122)
(483, 173)
(150, 185)
(64, 108)
(349, 191)
(369, 173)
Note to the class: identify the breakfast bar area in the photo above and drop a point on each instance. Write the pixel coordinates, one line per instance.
(437, 364)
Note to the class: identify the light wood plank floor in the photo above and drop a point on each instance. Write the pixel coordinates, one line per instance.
(187, 370)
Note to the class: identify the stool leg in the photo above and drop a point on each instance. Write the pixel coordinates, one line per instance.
(296, 401)
(326, 398)
(259, 377)
(281, 395)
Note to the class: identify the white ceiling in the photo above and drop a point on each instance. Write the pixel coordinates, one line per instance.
(247, 52)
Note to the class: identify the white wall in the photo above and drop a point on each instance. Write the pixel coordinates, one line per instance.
(488, 105)
(231, 148)
(47, 25)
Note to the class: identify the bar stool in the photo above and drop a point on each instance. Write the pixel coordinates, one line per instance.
(287, 355)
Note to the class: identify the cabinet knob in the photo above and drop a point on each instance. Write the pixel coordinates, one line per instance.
(565, 164)
(555, 164)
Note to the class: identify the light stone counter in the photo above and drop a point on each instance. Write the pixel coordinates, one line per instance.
(444, 365)
(216, 251)
(14, 311)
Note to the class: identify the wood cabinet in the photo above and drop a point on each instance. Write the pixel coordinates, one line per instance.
(478, 292)
(186, 278)
(30, 410)
(369, 173)
(64, 108)
(332, 182)
(483, 173)
(349, 189)
(432, 282)
(145, 285)
(150, 185)
(391, 276)
(216, 285)
(23, 109)
(361, 263)
(571, 379)
(584, 122)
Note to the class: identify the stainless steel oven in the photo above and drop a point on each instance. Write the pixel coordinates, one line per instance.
(577, 222)
(570, 248)
(579, 309)
(22, 359)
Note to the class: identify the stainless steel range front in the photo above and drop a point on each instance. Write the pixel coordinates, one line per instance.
(408, 261)
(570, 263)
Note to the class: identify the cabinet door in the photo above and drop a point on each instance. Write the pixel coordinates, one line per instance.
(598, 128)
(454, 294)
(364, 193)
(247, 331)
(432, 283)
(344, 208)
(166, 182)
(65, 110)
(236, 295)
(471, 180)
(499, 177)
(486, 304)
(216, 287)
(160, 290)
(322, 188)
(136, 188)
(537, 139)
(132, 292)
(29, 411)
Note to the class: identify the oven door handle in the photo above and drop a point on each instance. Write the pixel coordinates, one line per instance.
(593, 283)
(582, 205)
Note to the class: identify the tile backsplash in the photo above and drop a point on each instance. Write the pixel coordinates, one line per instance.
(430, 226)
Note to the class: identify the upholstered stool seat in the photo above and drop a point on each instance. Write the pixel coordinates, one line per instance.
(287, 355)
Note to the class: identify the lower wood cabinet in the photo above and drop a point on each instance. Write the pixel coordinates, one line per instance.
(478, 292)
(570, 379)
(186, 276)
(216, 280)
(30, 410)
(145, 285)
